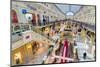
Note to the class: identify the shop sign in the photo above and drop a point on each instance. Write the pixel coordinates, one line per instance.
(24, 11)
(27, 36)
(28, 17)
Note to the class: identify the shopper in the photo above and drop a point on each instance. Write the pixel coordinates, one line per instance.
(70, 50)
(59, 47)
(84, 55)
(44, 21)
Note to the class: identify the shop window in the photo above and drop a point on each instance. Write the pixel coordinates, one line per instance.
(14, 16)
(29, 51)
(44, 20)
(38, 19)
(29, 46)
(35, 46)
(33, 19)
(25, 27)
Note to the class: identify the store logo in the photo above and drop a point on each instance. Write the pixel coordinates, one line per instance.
(27, 37)
(24, 11)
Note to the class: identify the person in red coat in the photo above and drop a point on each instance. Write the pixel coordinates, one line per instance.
(64, 51)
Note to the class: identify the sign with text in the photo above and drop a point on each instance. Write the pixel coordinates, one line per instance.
(27, 36)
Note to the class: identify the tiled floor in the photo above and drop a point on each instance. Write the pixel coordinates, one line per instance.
(81, 49)
(41, 53)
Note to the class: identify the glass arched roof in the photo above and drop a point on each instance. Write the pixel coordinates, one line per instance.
(69, 9)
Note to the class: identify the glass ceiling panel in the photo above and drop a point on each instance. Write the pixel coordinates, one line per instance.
(69, 8)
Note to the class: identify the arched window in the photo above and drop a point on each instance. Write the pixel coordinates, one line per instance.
(14, 16)
(70, 14)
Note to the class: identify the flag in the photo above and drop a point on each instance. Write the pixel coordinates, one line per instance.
(64, 51)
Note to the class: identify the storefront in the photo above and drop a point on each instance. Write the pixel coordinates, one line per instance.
(24, 53)
(18, 55)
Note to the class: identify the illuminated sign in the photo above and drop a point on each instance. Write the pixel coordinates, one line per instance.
(24, 11)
